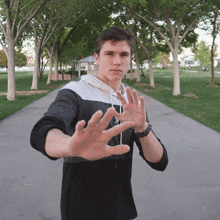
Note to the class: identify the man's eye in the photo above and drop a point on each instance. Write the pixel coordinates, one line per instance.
(109, 54)
(124, 54)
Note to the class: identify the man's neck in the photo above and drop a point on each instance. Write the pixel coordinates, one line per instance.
(115, 85)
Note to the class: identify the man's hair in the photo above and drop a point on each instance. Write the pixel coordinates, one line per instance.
(113, 34)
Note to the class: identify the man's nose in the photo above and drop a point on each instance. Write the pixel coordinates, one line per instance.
(117, 60)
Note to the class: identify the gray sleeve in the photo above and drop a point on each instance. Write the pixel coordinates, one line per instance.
(162, 164)
(61, 114)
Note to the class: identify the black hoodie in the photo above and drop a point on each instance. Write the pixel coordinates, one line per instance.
(92, 190)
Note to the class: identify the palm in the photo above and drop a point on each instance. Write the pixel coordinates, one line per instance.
(91, 142)
(133, 110)
(134, 113)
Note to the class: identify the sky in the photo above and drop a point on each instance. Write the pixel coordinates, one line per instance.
(203, 36)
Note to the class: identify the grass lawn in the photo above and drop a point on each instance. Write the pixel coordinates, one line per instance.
(23, 83)
(197, 100)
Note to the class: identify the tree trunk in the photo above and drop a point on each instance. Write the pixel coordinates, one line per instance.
(73, 66)
(36, 68)
(131, 70)
(50, 70)
(176, 81)
(11, 94)
(151, 73)
(138, 67)
(144, 75)
(41, 72)
(212, 63)
(138, 73)
(57, 62)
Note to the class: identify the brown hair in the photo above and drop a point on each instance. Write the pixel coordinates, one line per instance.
(113, 34)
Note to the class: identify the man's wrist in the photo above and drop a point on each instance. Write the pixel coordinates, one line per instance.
(141, 129)
(145, 132)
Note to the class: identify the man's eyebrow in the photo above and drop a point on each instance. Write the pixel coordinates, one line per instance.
(125, 52)
(111, 51)
(108, 51)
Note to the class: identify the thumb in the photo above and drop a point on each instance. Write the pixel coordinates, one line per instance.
(118, 116)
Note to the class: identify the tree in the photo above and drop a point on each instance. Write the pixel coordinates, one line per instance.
(3, 59)
(163, 59)
(173, 20)
(147, 45)
(20, 59)
(142, 34)
(50, 47)
(202, 53)
(12, 25)
(213, 19)
(51, 23)
(80, 43)
(150, 42)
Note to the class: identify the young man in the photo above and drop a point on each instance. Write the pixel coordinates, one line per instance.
(93, 124)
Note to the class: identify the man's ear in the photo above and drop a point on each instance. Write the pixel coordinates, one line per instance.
(96, 56)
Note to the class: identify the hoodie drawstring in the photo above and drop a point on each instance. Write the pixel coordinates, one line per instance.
(97, 83)
(116, 120)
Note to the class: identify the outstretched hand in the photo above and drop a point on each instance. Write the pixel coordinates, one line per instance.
(133, 110)
(91, 142)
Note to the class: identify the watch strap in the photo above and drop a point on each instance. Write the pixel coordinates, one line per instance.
(145, 133)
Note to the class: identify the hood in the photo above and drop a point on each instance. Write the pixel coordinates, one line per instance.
(99, 84)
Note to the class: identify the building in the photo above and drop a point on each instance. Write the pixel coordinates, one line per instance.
(88, 64)
(189, 61)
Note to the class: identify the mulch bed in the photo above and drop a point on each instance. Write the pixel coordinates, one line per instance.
(27, 92)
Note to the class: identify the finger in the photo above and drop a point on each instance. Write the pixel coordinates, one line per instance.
(80, 125)
(119, 129)
(119, 116)
(94, 119)
(106, 119)
(121, 98)
(135, 95)
(130, 98)
(117, 150)
(142, 103)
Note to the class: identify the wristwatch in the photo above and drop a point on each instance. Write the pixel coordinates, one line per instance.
(145, 133)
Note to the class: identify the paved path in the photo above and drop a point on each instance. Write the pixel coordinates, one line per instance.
(189, 189)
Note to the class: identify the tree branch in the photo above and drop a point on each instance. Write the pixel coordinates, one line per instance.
(48, 29)
(53, 46)
(67, 38)
(4, 48)
(8, 11)
(47, 38)
(153, 25)
(179, 26)
(193, 24)
(28, 20)
(171, 28)
(11, 4)
(16, 15)
(27, 5)
(3, 29)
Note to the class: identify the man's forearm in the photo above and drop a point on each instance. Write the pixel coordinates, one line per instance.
(90, 142)
(152, 149)
(56, 144)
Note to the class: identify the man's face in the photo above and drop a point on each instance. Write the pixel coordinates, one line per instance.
(113, 61)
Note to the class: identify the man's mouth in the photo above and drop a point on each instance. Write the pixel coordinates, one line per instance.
(115, 70)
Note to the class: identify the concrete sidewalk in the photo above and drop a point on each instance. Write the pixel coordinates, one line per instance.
(189, 189)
